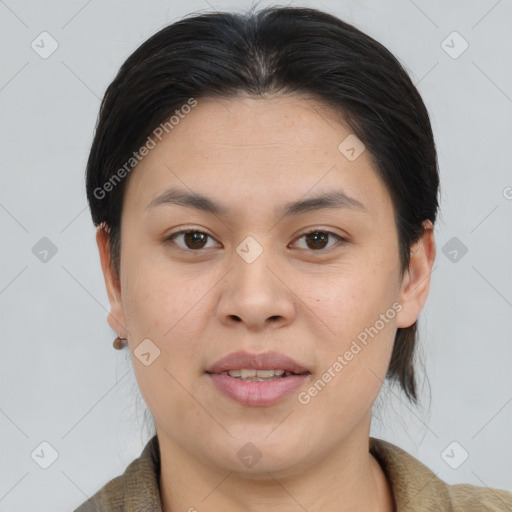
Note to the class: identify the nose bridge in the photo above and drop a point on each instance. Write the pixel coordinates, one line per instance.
(251, 261)
(250, 249)
(253, 292)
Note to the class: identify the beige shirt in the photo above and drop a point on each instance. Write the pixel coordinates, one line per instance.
(415, 487)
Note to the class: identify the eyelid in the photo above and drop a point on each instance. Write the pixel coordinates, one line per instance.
(321, 229)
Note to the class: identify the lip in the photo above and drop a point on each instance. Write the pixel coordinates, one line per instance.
(257, 393)
(264, 361)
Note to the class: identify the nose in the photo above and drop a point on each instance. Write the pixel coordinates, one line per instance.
(257, 294)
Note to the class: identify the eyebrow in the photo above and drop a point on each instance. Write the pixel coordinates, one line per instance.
(334, 199)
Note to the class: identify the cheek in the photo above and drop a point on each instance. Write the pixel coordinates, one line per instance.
(357, 306)
(158, 300)
(352, 367)
(172, 308)
(167, 310)
(350, 296)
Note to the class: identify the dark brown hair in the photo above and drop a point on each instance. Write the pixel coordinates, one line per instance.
(275, 50)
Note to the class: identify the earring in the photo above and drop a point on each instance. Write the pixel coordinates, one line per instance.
(119, 343)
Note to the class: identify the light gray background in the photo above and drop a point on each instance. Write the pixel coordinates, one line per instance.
(61, 381)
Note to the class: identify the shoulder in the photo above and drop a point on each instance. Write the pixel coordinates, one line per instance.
(471, 497)
(417, 488)
(109, 498)
(136, 489)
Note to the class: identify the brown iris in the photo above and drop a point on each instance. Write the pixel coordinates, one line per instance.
(194, 237)
(317, 237)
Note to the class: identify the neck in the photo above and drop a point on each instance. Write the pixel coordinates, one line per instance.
(348, 477)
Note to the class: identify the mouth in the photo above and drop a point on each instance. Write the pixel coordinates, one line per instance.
(248, 362)
(257, 380)
(252, 375)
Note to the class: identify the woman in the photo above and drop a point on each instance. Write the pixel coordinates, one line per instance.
(264, 189)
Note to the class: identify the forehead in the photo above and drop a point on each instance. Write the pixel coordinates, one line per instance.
(276, 149)
(248, 122)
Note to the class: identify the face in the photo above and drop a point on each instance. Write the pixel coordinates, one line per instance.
(318, 282)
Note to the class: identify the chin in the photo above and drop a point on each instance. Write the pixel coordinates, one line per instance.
(254, 456)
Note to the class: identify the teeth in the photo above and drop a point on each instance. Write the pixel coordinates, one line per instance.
(251, 374)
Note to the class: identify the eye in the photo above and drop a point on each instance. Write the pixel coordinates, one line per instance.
(192, 239)
(318, 239)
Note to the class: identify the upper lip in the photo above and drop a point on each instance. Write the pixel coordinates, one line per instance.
(261, 361)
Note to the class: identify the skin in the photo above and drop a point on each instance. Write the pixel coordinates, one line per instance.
(197, 305)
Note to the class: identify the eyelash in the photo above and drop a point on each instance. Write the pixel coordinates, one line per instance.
(171, 238)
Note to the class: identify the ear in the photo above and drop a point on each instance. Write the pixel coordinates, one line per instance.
(416, 282)
(115, 318)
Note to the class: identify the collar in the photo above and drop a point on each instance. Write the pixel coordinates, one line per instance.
(413, 484)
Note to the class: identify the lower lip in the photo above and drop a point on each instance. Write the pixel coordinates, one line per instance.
(257, 393)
